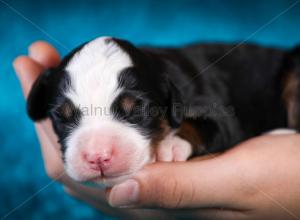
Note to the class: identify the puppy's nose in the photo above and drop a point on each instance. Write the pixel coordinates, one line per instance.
(98, 160)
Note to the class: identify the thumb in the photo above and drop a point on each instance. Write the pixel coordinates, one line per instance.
(192, 184)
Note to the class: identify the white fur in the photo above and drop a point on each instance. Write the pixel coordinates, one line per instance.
(135, 149)
(280, 131)
(94, 72)
(173, 148)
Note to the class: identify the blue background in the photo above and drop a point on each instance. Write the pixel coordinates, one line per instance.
(68, 23)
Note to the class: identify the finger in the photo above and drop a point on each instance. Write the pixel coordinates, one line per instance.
(27, 71)
(42, 56)
(96, 198)
(44, 53)
(51, 155)
(180, 185)
(47, 127)
(205, 157)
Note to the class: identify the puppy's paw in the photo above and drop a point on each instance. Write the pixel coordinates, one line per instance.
(173, 148)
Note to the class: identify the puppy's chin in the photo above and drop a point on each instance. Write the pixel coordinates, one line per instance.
(103, 182)
(100, 181)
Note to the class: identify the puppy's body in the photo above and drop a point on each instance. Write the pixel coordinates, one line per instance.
(161, 104)
(242, 88)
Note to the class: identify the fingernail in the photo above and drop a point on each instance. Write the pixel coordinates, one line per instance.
(125, 194)
(32, 53)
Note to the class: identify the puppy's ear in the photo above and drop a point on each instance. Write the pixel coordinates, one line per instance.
(42, 94)
(175, 106)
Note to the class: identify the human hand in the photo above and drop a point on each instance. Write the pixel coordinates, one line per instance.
(28, 68)
(258, 179)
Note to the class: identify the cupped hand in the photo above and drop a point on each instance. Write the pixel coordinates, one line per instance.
(258, 179)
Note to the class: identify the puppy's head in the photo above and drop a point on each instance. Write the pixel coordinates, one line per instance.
(109, 103)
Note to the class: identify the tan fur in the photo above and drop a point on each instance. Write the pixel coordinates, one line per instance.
(188, 132)
(289, 95)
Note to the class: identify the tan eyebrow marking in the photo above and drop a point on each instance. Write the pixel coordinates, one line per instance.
(165, 129)
(128, 103)
(67, 110)
(188, 132)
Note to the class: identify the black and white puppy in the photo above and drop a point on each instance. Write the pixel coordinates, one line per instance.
(116, 107)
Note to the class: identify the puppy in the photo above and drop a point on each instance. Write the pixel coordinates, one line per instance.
(116, 107)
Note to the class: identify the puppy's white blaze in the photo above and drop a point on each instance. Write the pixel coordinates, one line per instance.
(93, 73)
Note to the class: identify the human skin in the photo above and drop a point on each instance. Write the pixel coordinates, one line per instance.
(257, 179)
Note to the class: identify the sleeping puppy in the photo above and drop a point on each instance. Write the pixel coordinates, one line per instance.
(116, 107)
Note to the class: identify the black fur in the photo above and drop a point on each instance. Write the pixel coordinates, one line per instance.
(227, 100)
